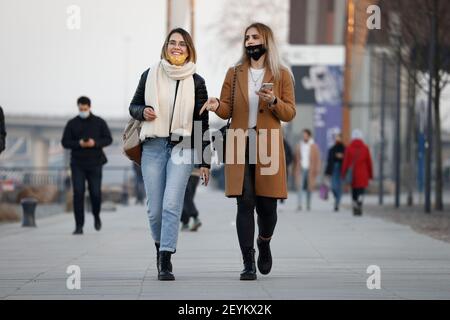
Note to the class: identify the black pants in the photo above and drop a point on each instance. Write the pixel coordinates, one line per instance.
(189, 209)
(357, 195)
(266, 209)
(93, 175)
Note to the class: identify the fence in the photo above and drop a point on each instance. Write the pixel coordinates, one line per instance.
(14, 180)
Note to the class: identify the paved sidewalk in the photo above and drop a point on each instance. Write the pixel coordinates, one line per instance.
(317, 255)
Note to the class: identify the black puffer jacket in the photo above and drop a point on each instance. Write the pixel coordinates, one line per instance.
(137, 107)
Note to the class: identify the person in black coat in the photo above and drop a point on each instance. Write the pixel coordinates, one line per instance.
(168, 101)
(138, 184)
(333, 169)
(86, 135)
(2, 131)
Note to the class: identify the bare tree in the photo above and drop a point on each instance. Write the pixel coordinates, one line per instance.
(236, 15)
(415, 27)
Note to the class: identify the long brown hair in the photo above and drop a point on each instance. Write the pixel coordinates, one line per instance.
(192, 54)
(273, 60)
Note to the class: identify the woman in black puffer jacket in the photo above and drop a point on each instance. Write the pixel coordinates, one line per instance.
(168, 100)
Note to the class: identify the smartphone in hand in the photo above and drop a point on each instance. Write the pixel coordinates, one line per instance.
(266, 86)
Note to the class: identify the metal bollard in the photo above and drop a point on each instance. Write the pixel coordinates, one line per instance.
(28, 207)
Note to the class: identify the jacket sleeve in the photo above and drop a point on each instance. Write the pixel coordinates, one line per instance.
(224, 109)
(284, 109)
(68, 141)
(201, 96)
(137, 105)
(329, 167)
(345, 162)
(105, 135)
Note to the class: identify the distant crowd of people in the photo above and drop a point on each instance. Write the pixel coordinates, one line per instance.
(345, 165)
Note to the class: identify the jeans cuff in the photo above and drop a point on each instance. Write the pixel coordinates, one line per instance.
(167, 249)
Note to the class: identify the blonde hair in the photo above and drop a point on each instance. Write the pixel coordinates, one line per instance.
(273, 60)
(192, 54)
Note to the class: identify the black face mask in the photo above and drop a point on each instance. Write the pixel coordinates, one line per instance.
(255, 52)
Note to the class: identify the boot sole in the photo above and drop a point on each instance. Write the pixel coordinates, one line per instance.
(166, 278)
(248, 277)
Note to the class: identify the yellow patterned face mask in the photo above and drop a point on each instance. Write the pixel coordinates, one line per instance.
(177, 60)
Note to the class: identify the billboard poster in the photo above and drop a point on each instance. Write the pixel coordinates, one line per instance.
(322, 86)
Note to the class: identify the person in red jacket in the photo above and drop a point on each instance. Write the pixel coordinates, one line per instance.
(357, 158)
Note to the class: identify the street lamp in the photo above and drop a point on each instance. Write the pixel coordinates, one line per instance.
(395, 39)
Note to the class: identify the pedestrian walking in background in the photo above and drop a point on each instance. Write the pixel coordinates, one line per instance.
(86, 135)
(139, 188)
(168, 100)
(288, 155)
(307, 165)
(357, 169)
(333, 169)
(256, 108)
(189, 208)
(2, 131)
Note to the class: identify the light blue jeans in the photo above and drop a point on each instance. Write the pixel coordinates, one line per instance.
(336, 184)
(166, 172)
(304, 189)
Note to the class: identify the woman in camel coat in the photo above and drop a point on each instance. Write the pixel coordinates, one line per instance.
(256, 181)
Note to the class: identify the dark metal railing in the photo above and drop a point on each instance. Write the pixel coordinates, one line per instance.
(17, 178)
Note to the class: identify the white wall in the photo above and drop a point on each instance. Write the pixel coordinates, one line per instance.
(45, 66)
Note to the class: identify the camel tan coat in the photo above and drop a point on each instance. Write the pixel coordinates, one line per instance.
(314, 166)
(270, 175)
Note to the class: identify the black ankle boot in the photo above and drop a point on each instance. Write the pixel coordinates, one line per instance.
(97, 223)
(249, 272)
(165, 267)
(357, 209)
(264, 256)
(157, 245)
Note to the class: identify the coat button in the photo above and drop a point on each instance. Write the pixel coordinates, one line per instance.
(261, 110)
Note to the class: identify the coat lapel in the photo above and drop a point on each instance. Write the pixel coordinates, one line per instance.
(242, 80)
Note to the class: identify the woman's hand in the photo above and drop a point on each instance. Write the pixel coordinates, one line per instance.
(204, 175)
(267, 95)
(149, 114)
(211, 105)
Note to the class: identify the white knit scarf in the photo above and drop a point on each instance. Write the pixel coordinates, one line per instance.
(157, 95)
